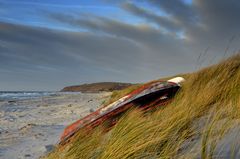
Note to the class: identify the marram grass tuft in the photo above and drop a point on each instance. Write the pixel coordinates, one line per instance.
(196, 124)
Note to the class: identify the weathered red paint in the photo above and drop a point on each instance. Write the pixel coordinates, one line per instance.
(146, 97)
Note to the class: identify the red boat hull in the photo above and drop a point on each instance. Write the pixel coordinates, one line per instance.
(145, 98)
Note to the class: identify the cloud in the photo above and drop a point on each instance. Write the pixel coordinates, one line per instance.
(185, 14)
(103, 48)
(148, 38)
(44, 53)
(218, 29)
(43, 45)
(167, 23)
(191, 29)
(203, 24)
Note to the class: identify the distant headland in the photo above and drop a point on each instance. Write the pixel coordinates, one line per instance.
(96, 87)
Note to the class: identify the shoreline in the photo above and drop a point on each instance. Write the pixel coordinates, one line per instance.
(30, 128)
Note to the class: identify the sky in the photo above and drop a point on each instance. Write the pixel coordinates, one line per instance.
(49, 44)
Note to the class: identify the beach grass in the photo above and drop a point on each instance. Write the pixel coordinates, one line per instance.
(193, 125)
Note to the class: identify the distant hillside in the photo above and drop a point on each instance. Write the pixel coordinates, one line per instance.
(96, 87)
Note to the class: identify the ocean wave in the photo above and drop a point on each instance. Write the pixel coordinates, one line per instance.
(24, 95)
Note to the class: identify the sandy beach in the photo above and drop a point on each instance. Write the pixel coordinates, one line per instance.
(30, 128)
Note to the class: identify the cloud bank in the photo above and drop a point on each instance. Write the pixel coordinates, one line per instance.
(82, 47)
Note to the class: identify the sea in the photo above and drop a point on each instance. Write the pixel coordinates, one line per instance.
(23, 95)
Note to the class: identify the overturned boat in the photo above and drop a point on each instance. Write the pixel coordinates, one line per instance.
(147, 97)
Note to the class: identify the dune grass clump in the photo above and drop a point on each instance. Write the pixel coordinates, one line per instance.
(194, 125)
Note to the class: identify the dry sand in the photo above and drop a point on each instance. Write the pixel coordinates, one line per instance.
(30, 128)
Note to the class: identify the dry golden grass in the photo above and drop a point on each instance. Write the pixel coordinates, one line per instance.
(192, 126)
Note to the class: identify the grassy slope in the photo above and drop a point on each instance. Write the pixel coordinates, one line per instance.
(193, 125)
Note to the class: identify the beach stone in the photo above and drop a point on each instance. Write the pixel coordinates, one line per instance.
(11, 101)
(91, 110)
(46, 148)
(90, 100)
(25, 128)
(27, 155)
(11, 119)
(49, 148)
